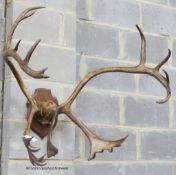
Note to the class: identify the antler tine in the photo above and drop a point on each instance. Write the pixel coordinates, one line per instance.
(143, 47)
(166, 81)
(30, 72)
(141, 68)
(168, 90)
(33, 159)
(17, 45)
(9, 52)
(21, 17)
(29, 54)
(164, 61)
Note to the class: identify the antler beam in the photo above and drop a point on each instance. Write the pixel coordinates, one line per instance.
(23, 63)
(98, 144)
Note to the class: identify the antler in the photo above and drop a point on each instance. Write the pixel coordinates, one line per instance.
(10, 52)
(98, 144)
(23, 63)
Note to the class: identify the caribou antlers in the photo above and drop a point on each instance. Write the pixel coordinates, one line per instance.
(97, 144)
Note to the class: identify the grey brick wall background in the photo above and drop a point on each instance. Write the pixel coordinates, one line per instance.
(79, 36)
(2, 39)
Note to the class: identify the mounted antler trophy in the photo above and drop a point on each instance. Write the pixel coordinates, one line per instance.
(43, 108)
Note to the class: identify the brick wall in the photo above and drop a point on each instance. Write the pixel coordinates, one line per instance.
(78, 37)
(2, 38)
(116, 103)
(56, 26)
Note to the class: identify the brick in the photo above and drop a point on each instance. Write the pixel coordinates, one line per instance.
(1, 1)
(66, 5)
(77, 143)
(97, 41)
(146, 169)
(145, 112)
(2, 24)
(174, 53)
(127, 151)
(24, 167)
(124, 13)
(174, 112)
(98, 108)
(159, 1)
(131, 52)
(159, 20)
(112, 81)
(158, 145)
(69, 31)
(82, 8)
(1, 62)
(172, 3)
(156, 48)
(33, 28)
(149, 85)
(61, 63)
(13, 144)
(98, 169)
(67, 168)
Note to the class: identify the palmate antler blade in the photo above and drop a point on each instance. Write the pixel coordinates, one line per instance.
(98, 144)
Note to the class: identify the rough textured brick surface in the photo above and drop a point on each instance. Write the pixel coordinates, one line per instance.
(174, 53)
(124, 13)
(82, 8)
(69, 31)
(96, 40)
(150, 86)
(24, 167)
(66, 5)
(159, 1)
(43, 19)
(146, 169)
(97, 169)
(112, 81)
(98, 108)
(159, 20)
(172, 3)
(145, 112)
(127, 151)
(156, 48)
(174, 113)
(158, 145)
